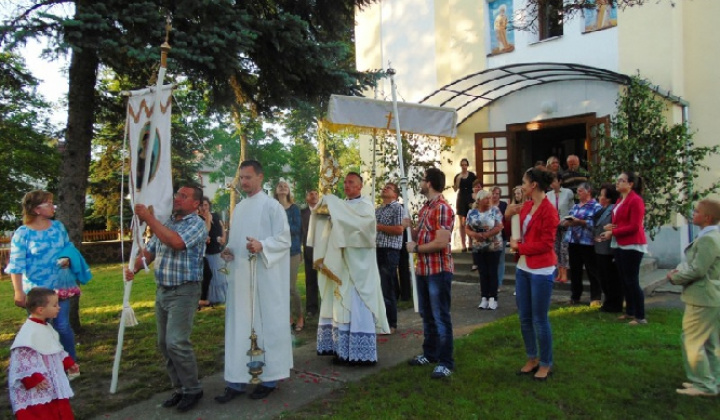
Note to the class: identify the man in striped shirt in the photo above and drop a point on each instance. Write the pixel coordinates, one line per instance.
(434, 275)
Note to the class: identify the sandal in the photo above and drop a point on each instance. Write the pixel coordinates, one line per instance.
(299, 327)
(624, 317)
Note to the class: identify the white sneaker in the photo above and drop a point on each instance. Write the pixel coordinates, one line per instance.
(492, 304)
(483, 304)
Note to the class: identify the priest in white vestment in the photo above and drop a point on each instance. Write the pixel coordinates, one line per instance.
(259, 226)
(352, 310)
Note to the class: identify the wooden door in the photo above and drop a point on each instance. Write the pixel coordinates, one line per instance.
(492, 159)
(593, 141)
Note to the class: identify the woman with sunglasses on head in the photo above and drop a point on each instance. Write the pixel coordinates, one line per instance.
(35, 252)
(628, 231)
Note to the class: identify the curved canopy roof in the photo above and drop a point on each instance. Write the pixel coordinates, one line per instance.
(472, 93)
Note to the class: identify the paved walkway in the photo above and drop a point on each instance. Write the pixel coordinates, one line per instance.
(315, 377)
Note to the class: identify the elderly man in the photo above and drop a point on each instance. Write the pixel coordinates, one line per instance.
(389, 241)
(352, 310)
(575, 174)
(258, 246)
(178, 248)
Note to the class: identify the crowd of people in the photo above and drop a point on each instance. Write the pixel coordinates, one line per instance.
(563, 232)
(353, 253)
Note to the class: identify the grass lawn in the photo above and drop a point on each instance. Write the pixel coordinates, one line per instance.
(603, 369)
(141, 372)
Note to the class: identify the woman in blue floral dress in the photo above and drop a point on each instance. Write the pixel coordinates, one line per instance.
(34, 260)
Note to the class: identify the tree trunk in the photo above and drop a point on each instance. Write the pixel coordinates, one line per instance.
(237, 115)
(75, 164)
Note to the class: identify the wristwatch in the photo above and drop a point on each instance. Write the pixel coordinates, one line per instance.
(415, 250)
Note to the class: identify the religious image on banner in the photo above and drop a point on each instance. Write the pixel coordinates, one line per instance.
(142, 156)
(502, 38)
(603, 16)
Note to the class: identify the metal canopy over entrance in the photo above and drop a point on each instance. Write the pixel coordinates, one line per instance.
(472, 93)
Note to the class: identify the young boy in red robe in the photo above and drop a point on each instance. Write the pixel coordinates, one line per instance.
(38, 385)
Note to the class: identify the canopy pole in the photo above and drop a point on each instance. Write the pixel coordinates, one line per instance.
(403, 180)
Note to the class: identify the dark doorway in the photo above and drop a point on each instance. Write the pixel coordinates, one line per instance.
(539, 144)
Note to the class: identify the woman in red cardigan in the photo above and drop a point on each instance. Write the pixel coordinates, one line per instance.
(535, 271)
(628, 230)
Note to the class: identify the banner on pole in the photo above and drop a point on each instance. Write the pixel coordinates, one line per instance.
(142, 115)
(364, 115)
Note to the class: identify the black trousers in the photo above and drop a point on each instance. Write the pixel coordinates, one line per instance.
(311, 282)
(583, 255)
(610, 283)
(403, 288)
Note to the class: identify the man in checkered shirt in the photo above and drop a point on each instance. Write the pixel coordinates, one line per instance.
(434, 269)
(177, 248)
(388, 243)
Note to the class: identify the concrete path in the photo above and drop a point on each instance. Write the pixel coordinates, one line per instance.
(314, 377)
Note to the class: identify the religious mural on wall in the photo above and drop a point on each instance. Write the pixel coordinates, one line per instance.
(502, 38)
(603, 16)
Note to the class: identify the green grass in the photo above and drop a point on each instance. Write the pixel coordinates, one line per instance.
(142, 372)
(603, 370)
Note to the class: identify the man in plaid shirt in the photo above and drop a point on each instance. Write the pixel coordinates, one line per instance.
(434, 275)
(178, 248)
(388, 243)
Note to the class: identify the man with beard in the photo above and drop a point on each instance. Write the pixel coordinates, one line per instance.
(434, 269)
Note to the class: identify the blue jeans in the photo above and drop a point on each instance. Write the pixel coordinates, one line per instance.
(434, 303)
(533, 302)
(175, 309)
(628, 264)
(63, 327)
(387, 261)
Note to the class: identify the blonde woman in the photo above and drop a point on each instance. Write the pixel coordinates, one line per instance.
(34, 260)
(285, 197)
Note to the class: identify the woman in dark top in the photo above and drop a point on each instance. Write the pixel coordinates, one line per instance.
(463, 186)
(284, 196)
(214, 284)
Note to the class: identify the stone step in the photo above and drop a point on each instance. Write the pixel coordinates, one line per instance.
(650, 276)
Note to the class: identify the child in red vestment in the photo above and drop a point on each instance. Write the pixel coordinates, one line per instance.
(38, 385)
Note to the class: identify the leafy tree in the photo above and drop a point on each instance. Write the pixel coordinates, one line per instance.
(419, 153)
(278, 52)
(664, 155)
(28, 153)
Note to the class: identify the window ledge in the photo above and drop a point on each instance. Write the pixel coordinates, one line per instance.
(552, 38)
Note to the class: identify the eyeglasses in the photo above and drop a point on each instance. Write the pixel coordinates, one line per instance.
(47, 205)
(621, 180)
(180, 196)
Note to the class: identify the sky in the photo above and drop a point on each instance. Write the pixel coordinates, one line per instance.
(53, 80)
(52, 75)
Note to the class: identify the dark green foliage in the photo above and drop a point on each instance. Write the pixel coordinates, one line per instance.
(281, 53)
(664, 155)
(28, 156)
